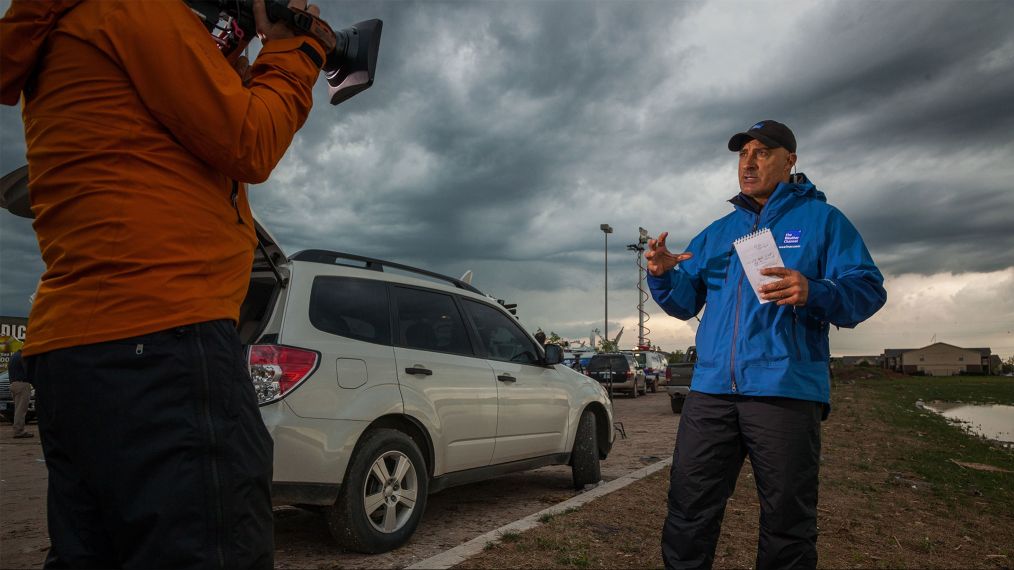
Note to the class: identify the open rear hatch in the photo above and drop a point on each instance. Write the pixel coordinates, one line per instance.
(268, 280)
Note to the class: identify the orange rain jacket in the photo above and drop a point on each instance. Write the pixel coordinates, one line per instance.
(136, 128)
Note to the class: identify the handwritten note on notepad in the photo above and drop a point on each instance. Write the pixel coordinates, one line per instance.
(758, 251)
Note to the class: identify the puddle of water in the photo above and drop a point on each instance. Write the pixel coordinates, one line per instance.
(992, 421)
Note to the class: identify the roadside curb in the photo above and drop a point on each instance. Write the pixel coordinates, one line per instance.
(462, 552)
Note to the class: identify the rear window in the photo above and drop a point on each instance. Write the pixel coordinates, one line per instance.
(640, 358)
(428, 320)
(353, 308)
(603, 363)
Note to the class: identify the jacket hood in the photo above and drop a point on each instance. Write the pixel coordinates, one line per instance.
(801, 186)
(23, 33)
(798, 186)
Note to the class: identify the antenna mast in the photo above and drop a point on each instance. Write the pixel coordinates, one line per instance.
(643, 342)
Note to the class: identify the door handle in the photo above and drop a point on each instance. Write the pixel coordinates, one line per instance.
(419, 370)
(506, 378)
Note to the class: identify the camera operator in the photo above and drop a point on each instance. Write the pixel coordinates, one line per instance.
(140, 139)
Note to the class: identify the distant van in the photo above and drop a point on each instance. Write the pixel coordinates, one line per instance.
(654, 364)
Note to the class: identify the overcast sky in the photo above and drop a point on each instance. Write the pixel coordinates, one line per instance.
(499, 135)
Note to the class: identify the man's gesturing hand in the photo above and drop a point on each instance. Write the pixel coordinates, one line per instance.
(791, 289)
(660, 259)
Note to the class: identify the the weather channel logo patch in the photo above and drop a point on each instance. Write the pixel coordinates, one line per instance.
(791, 239)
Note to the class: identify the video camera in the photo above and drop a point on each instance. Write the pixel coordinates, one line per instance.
(352, 52)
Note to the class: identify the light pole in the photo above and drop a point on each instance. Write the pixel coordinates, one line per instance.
(606, 230)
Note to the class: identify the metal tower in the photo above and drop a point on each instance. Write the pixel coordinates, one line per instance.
(643, 342)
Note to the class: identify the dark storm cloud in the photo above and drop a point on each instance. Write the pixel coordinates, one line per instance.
(955, 229)
(858, 85)
(499, 135)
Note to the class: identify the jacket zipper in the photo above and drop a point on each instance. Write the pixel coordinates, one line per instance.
(735, 326)
(235, 201)
(735, 333)
(213, 452)
(792, 332)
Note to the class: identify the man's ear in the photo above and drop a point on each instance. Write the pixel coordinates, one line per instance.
(791, 160)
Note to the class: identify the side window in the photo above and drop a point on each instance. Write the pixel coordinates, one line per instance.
(353, 308)
(502, 338)
(428, 320)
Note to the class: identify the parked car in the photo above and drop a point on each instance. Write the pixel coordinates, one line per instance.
(679, 376)
(654, 364)
(7, 400)
(382, 383)
(619, 372)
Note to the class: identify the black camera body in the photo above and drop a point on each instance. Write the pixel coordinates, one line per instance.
(349, 66)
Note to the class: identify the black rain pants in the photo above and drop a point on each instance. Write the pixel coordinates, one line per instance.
(156, 451)
(716, 432)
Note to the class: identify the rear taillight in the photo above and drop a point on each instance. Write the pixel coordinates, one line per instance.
(628, 375)
(275, 370)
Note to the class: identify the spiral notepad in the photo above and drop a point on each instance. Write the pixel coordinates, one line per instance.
(758, 251)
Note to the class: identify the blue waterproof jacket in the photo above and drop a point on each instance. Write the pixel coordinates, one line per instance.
(753, 349)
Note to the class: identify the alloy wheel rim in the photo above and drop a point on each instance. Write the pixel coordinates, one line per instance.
(390, 492)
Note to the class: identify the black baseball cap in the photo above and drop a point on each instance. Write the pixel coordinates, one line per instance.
(771, 133)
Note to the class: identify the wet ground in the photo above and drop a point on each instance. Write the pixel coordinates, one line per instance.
(991, 421)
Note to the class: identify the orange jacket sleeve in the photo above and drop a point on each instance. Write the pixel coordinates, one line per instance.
(23, 30)
(189, 87)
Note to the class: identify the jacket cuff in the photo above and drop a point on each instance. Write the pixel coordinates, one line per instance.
(824, 296)
(663, 281)
(311, 48)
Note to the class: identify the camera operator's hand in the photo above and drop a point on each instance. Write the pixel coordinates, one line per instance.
(242, 67)
(660, 259)
(268, 30)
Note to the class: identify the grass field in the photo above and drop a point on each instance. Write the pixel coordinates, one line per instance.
(894, 401)
(891, 494)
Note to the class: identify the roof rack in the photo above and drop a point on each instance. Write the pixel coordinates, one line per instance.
(335, 257)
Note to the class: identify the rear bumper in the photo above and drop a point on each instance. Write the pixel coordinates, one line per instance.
(678, 391)
(625, 386)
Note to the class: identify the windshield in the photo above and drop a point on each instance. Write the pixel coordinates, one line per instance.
(605, 363)
(640, 356)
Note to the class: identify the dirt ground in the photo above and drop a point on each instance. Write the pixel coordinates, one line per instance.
(452, 517)
(872, 514)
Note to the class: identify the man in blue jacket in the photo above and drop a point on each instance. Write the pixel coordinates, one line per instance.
(761, 383)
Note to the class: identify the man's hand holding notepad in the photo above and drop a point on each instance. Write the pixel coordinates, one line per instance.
(758, 251)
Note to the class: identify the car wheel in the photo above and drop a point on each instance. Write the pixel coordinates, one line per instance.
(383, 495)
(633, 393)
(676, 404)
(585, 457)
(654, 386)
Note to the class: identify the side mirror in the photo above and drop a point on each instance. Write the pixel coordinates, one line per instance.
(554, 354)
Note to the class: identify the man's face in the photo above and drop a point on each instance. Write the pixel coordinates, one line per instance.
(762, 168)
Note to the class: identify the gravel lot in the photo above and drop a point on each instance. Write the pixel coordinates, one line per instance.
(301, 537)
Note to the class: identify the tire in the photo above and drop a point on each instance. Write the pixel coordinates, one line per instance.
(633, 393)
(654, 386)
(676, 404)
(394, 516)
(584, 459)
(644, 392)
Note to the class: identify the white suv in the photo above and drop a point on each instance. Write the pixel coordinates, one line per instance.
(381, 383)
